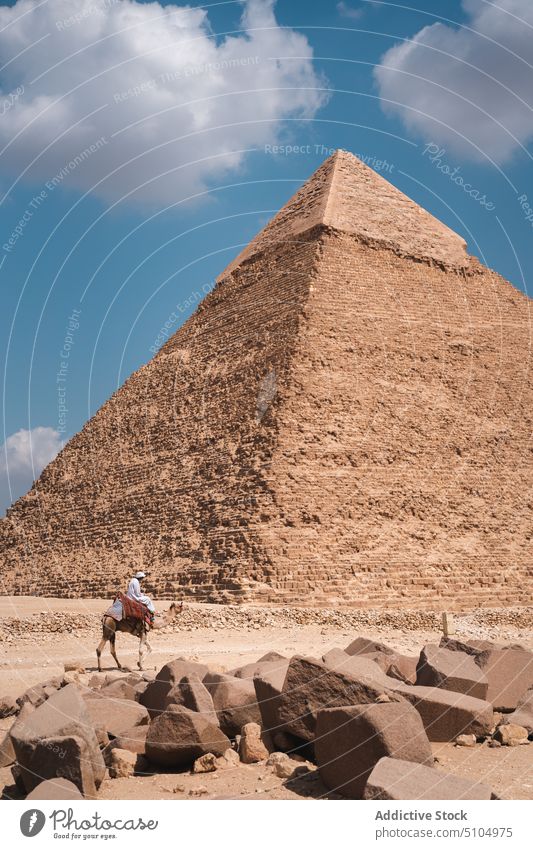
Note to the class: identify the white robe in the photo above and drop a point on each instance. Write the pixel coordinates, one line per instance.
(134, 592)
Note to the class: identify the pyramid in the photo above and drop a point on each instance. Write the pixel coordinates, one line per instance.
(346, 419)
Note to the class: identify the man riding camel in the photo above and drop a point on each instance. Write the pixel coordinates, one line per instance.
(134, 591)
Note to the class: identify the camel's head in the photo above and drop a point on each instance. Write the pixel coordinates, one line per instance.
(174, 609)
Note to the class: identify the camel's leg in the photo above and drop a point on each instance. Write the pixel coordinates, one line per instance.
(113, 652)
(99, 649)
(143, 643)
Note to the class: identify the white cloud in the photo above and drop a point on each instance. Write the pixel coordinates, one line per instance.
(23, 456)
(157, 76)
(346, 11)
(477, 81)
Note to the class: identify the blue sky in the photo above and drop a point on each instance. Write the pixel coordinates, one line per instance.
(138, 155)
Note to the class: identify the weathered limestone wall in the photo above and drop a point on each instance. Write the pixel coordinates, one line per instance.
(169, 474)
(409, 431)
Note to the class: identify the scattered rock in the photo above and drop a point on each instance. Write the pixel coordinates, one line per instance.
(38, 694)
(404, 668)
(8, 706)
(268, 687)
(179, 736)
(205, 763)
(251, 747)
(351, 740)
(509, 673)
(116, 716)
(393, 778)
(451, 670)
(199, 791)
(270, 656)
(74, 666)
(446, 714)
(121, 763)
(362, 645)
(133, 740)
(282, 765)
(121, 689)
(7, 752)
(230, 758)
(193, 694)
(155, 694)
(311, 685)
(250, 670)
(511, 735)
(523, 715)
(234, 701)
(472, 647)
(55, 788)
(467, 740)
(357, 664)
(57, 740)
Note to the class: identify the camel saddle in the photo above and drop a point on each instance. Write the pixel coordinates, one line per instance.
(135, 610)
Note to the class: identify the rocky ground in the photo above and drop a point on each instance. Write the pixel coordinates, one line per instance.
(37, 637)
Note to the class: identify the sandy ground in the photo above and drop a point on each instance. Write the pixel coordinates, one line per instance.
(508, 770)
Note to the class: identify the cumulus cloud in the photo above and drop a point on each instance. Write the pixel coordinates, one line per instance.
(469, 88)
(23, 456)
(117, 95)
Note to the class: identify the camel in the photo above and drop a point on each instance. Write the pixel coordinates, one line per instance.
(137, 628)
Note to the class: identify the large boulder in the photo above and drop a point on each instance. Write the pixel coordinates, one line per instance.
(115, 716)
(132, 740)
(509, 673)
(8, 706)
(392, 779)
(523, 715)
(272, 655)
(473, 647)
(357, 664)
(361, 645)
(397, 666)
(234, 700)
(154, 696)
(57, 740)
(119, 690)
(268, 687)
(403, 667)
(351, 740)
(179, 736)
(451, 670)
(250, 670)
(55, 788)
(310, 686)
(193, 694)
(38, 693)
(7, 752)
(447, 714)
(508, 669)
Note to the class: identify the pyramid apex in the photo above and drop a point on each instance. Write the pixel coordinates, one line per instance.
(349, 196)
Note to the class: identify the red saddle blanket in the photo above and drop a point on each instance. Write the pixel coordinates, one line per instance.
(132, 609)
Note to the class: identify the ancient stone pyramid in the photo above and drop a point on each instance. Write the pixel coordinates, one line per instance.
(346, 419)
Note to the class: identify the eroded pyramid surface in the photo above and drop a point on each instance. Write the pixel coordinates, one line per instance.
(346, 419)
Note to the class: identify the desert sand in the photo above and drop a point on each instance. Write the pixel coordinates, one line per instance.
(35, 656)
